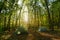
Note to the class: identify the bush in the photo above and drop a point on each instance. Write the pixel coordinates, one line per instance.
(21, 30)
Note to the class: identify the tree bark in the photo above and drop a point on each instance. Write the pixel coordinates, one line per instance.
(49, 18)
(8, 25)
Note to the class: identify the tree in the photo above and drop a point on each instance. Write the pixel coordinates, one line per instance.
(56, 13)
(7, 8)
(49, 18)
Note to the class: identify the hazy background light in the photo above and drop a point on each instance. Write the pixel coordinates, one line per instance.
(18, 12)
(20, 2)
(25, 15)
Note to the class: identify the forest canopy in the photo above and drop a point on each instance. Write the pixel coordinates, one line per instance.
(29, 13)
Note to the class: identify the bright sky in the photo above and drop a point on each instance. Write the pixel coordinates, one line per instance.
(20, 2)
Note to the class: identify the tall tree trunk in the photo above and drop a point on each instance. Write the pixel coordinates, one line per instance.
(16, 20)
(9, 18)
(4, 21)
(20, 16)
(49, 19)
(4, 28)
(59, 19)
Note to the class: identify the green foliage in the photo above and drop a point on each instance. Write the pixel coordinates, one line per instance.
(42, 10)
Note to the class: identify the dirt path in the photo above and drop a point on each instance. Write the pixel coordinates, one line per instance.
(32, 36)
(42, 36)
(52, 37)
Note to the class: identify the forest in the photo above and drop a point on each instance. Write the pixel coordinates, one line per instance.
(27, 19)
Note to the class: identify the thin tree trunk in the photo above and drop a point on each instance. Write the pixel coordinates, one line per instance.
(19, 19)
(4, 28)
(49, 19)
(59, 19)
(16, 20)
(9, 18)
(4, 21)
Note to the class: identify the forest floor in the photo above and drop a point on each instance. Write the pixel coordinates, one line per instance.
(30, 36)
